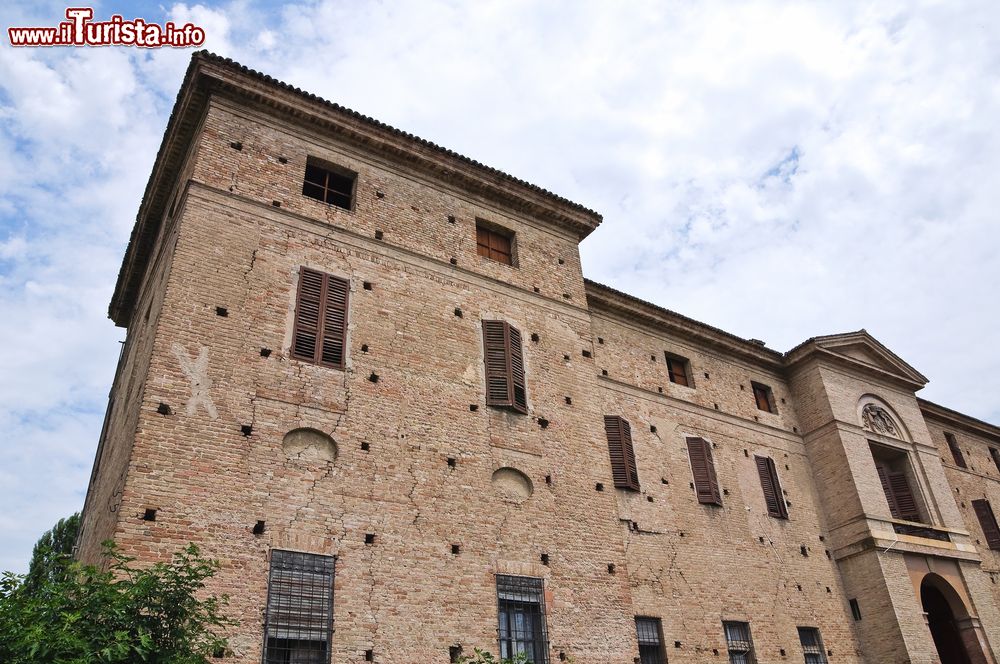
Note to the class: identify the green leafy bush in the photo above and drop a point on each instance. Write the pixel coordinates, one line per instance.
(80, 614)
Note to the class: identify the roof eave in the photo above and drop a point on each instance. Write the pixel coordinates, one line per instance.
(209, 73)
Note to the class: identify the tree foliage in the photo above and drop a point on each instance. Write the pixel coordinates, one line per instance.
(80, 614)
(50, 550)
(484, 657)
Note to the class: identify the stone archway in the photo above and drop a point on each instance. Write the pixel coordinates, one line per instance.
(950, 624)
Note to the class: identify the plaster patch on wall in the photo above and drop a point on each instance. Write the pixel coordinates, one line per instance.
(196, 371)
(309, 445)
(512, 484)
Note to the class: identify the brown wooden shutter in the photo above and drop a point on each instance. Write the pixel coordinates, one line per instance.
(988, 521)
(334, 322)
(760, 395)
(505, 384)
(520, 395)
(956, 451)
(706, 483)
(772, 487)
(499, 390)
(898, 494)
(890, 497)
(623, 466)
(995, 453)
(320, 318)
(904, 497)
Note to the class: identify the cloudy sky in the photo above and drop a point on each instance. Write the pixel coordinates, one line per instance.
(777, 169)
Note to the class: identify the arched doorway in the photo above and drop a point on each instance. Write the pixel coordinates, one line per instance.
(945, 609)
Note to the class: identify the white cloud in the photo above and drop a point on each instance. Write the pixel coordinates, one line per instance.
(778, 170)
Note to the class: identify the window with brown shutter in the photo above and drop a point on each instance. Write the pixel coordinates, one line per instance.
(898, 494)
(995, 454)
(678, 370)
(706, 484)
(956, 451)
(772, 487)
(494, 243)
(623, 467)
(320, 319)
(505, 380)
(764, 397)
(988, 521)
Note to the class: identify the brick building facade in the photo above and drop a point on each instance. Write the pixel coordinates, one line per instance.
(368, 375)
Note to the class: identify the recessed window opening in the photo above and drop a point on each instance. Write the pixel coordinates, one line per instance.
(764, 397)
(956, 451)
(649, 632)
(739, 642)
(299, 614)
(812, 645)
(329, 183)
(679, 370)
(898, 483)
(521, 617)
(494, 242)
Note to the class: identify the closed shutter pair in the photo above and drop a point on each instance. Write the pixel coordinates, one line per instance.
(504, 366)
(902, 504)
(623, 466)
(320, 327)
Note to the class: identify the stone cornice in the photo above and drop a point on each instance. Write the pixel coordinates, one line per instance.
(622, 305)
(958, 420)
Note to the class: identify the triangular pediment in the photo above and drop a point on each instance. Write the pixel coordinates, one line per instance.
(862, 350)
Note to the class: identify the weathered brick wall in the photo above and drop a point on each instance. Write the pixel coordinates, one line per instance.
(407, 596)
(416, 446)
(980, 480)
(104, 495)
(412, 213)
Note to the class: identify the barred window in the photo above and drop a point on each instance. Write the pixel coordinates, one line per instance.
(650, 635)
(739, 642)
(298, 623)
(521, 614)
(812, 645)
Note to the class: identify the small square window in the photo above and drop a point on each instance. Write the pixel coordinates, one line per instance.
(764, 397)
(494, 242)
(331, 184)
(679, 370)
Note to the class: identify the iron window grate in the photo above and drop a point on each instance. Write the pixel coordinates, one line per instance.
(649, 633)
(521, 617)
(812, 645)
(298, 622)
(739, 642)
